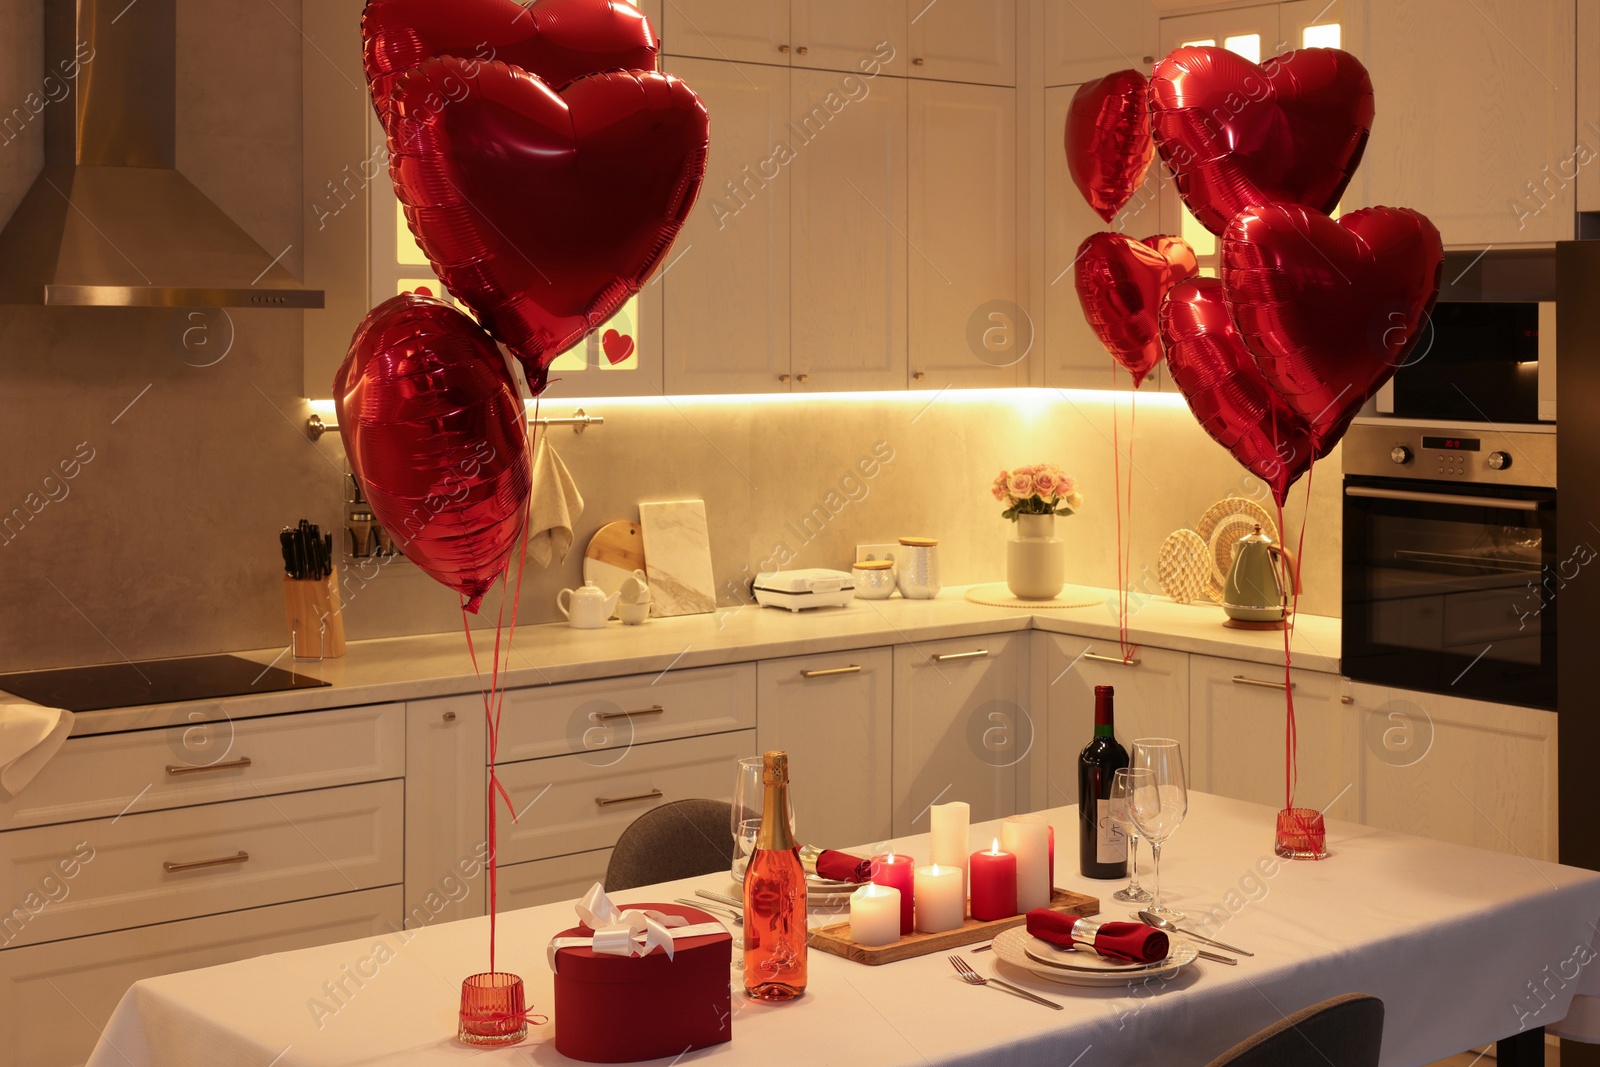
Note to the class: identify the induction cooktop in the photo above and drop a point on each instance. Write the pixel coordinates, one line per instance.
(156, 681)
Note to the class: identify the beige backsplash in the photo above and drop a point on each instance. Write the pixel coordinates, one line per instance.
(165, 543)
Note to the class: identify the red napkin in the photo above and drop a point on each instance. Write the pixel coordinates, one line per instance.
(1134, 942)
(843, 867)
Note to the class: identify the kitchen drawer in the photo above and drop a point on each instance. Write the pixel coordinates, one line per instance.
(523, 885)
(110, 874)
(205, 761)
(613, 713)
(54, 999)
(583, 802)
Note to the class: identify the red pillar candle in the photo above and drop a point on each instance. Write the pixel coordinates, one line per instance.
(1052, 861)
(994, 883)
(897, 872)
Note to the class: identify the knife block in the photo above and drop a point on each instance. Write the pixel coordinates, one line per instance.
(316, 621)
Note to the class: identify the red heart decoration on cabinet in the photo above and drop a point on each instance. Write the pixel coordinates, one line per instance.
(1121, 283)
(1235, 134)
(557, 40)
(1330, 309)
(1108, 139)
(618, 346)
(1230, 399)
(435, 431)
(545, 212)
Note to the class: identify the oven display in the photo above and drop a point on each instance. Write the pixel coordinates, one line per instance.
(1451, 444)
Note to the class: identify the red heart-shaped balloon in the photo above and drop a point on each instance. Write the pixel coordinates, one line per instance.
(1121, 283)
(1108, 139)
(1234, 134)
(436, 433)
(618, 346)
(1330, 309)
(544, 212)
(1229, 397)
(557, 40)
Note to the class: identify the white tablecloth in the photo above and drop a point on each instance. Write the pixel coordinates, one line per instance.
(1464, 946)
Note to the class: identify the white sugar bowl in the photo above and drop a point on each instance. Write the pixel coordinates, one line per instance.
(874, 579)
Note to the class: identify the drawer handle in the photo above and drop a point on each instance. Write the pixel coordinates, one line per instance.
(233, 764)
(854, 668)
(946, 657)
(196, 865)
(784, 49)
(918, 61)
(607, 716)
(1240, 679)
(1132, 661)
(604, 802)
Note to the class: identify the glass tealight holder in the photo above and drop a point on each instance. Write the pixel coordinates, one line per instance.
(1301, 834)
(493, 1009)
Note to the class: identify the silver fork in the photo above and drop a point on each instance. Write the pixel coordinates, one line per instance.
(972, 977)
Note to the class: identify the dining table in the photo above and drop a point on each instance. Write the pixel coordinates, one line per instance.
(1464, 946)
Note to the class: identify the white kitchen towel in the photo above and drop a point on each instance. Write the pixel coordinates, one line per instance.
(555, 507)
(29, 736)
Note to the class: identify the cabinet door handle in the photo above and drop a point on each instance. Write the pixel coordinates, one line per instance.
(196, 865)
(802, 377)
(784, 49)
(854, 668)
(918, 61)
(783, 377)
(1240, 679)
(607, 716)
(1118, 660)
(654, 794)
(233, 764)
(803, 51)
(917, 376)
(946, 657)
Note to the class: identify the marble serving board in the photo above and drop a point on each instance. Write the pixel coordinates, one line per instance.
(677, 552)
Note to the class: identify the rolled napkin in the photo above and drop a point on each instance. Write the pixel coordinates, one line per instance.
(1134, 942)
(554, 506)
(29, 736)
(834, 865)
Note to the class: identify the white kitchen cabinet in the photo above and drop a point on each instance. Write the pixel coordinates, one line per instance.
(55, 998)
(962, 727)
(524, 885)
(1588, 103)
(1151, 700)
(834, 715)
(1459, 770)
(838, 35)
(446, 782)
(741, 31)
(725, 324)
(964, 40)
(962, 234)
(1237, 719)
(1083, 42)
(848, 233)
(1477, 129)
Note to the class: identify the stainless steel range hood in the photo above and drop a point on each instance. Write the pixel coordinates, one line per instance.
(110, 221)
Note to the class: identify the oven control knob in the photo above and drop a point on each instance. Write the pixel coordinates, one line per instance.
(1499, 461)
(1400, 454)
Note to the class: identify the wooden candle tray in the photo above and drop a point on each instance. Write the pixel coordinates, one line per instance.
(835, 939)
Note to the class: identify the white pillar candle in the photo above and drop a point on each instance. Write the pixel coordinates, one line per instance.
(941, 898)
(949, 837)
(875, 915)
(1028, 838)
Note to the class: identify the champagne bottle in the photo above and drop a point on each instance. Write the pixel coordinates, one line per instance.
(775, 896)
(1102, 846)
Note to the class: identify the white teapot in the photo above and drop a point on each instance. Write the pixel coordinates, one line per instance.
(587, 608)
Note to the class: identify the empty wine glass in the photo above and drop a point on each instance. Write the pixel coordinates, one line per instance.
(1159, 799)
(749, 795)
(1134, 893)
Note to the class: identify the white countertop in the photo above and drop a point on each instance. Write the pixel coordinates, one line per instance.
(415, 668)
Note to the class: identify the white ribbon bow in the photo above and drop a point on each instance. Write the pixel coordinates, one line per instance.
(626, 932)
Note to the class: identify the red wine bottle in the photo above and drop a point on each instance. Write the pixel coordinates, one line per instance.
(1102, 846)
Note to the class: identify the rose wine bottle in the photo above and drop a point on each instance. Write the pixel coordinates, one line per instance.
(1102, 846)
(775, 896)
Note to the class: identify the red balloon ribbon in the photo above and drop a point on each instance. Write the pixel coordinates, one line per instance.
(1108, 143)
(1229, 397)
(1235, 134)
(436, 433)
(542, 211)
(1330, 309)
(1121, 283)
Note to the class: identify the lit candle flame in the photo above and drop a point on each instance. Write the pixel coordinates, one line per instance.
(994, 849)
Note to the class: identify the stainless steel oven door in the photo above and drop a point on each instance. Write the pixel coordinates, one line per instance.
(1453, 589)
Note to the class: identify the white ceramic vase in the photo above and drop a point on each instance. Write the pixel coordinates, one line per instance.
(1036, 559)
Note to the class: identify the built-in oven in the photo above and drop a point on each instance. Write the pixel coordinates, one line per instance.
(1451, 577)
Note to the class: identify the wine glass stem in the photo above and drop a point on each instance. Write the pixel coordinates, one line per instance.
(1155, 850)
(1133, 863)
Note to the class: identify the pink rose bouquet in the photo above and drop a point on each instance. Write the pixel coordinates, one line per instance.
(1041, 489)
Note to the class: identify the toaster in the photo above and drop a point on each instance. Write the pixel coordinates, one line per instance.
(813, 587)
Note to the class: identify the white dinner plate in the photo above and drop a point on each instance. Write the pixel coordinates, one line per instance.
(1086, 968)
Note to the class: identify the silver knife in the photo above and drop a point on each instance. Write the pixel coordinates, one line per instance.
(709, 895)
(1217, 957)
(1212, 941)
(718, 909)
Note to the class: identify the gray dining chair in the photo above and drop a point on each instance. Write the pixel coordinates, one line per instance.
(1346, 1031)
(679, 839)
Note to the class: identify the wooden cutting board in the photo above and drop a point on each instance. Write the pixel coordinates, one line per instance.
(835, 939)
(619, 545)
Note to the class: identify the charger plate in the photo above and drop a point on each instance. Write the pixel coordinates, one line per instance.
(1021, 949)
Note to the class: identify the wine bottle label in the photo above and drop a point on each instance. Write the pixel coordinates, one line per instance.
(1111, 845)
